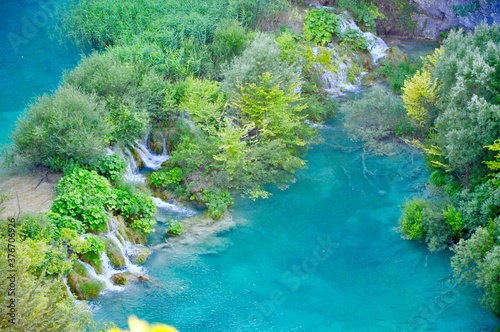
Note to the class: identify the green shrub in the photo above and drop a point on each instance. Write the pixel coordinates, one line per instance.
(364, 12)
(375, 119)
(354, 39)
(111, 167)
(411, 221)
(438, 178)
(137, 208)
(164, 178)
(229, 41)
(64, 129)
(217, 201)
(174, 228)
(36, 227)
(454, 220)
(84, 195)
(89, 250)
(320, 26)
(261, 56)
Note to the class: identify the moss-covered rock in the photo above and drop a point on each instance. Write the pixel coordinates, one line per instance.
(140, 255)
(115, 254)
(123, 278)
(129, 234)
(81, 284)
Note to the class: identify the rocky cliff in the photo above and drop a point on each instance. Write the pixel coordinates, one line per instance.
(434, 17)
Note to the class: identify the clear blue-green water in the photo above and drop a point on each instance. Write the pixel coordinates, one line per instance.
(31, 58)
(320, 256)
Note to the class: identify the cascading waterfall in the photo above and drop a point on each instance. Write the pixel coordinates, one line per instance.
(337, 83)
(378, 48)
(126, 248)
(161, 204)
(149, 159)
(105, 277)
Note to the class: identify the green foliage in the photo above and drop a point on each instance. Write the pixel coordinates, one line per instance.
(466, 9)
(320, 26)
(411, 221)
(166, 179)
(89, 249)
(137, 208)
(36, 227)
(364, 12)
(397, 68)
(111, 167)
(262, 55)
(438, 178)
(42, 302)
(174, 228)
(375, 119)
(353, 39)
(61, 130)
(454, 220)
(229, 41)
(468, 70)
(91, 289)
(217, 201)
(85, 196)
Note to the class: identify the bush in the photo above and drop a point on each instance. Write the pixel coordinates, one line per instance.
(64, 129)
(354, 39)
(320, 26)
(364, 12)
(89, 249)
(84, 195)
(438, 178)
(174, 228)
(137, 208)
(229, 41)
(261, 56)
(217, 201)
(376, 119)
(166, 179)
(454, 220)
(111, 167)
(411, 221)
(91, 289)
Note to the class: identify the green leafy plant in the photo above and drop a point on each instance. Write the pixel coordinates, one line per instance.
(354, 39)
(320, 25)
(111, 167)
(411, 220)
(175, 228)
(137, 208)
(166, 178)
(83, 195)
(217, 201)
(454, 220)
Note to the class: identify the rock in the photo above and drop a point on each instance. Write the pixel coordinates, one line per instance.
(81, 284)
(123, 278)
(115, 254)
(144, 277)
(140, 254)
(435, 17)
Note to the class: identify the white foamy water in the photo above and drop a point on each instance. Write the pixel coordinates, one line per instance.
(161, 204)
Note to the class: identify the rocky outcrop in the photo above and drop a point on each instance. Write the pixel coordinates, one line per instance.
(434, 17)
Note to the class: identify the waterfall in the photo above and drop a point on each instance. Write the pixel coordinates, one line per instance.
(149, 159)
(161, 204)
(378, 48)
(132, 171)
(105, 277)
(127, 249)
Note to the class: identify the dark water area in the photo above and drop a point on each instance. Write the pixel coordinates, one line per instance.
(32, 59)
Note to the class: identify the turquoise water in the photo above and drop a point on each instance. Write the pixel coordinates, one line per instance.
(320, 256)
(31, 58)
